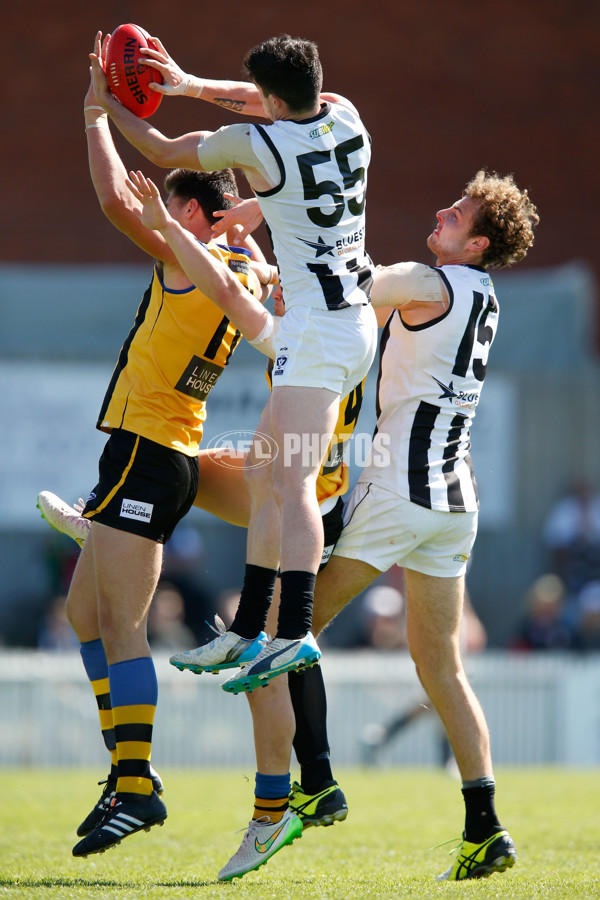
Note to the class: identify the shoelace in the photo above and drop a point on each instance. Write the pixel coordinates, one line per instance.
(252, 827)
(269, 646)
(458, 842)
(220, 629)
(106, 793)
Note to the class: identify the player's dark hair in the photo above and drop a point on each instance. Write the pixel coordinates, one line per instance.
(289, 68)
(208, 188)
(506, 216)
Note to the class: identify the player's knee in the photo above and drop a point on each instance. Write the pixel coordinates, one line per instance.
(289, 482)
(435, 661)
(258, 480)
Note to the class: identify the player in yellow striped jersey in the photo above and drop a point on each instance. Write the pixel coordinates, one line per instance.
(154, 411)
(222, 492)
(244, 311)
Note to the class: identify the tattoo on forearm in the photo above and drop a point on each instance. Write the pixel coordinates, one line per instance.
(235, 105)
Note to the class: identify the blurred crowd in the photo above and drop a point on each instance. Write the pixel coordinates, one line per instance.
(560, 610)
(562, 606)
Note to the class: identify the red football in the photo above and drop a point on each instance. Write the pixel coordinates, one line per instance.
(127, 78)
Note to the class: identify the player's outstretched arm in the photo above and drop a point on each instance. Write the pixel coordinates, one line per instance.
(238, 96)
(213, 278)
(155, 146)
(109, 178)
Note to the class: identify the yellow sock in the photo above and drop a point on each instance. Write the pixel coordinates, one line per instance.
(102, 694)
(273, 807)
(133, 729)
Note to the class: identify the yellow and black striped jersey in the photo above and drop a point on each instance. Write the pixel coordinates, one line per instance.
(178, 346)
(332, 480)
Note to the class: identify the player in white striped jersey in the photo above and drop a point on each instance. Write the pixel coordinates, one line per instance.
(430, 382)
(308, 170)
(416, 506)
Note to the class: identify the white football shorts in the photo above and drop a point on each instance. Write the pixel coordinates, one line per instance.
(321, 349)
(383, 530)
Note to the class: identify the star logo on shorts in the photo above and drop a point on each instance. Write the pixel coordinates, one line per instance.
(448, 390)
(320, 247)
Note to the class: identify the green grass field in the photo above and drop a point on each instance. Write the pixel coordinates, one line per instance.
(382, 850)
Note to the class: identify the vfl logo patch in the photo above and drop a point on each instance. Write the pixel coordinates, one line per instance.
(135, 509)
(279, 364)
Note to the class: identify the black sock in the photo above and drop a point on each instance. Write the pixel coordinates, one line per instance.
(255, 600)
(295, 606)
(311, 746)
(481, 820)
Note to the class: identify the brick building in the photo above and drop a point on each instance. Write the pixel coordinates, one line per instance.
(443, 88)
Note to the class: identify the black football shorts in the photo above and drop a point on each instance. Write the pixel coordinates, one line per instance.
(143, 487)
(333, 524)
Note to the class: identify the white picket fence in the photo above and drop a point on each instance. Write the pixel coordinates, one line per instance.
(541, 709)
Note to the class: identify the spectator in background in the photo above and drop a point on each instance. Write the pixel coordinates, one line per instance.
(546, 625)
(166, 620)
(587, 629)
(55, 632)
(571, 535)
(183, 557)
(383, 618)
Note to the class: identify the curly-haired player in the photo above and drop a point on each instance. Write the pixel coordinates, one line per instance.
(420, 511)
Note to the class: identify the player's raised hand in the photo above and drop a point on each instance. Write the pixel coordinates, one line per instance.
(153, 213)
(245, 213)
(176, 81)
(97, 57)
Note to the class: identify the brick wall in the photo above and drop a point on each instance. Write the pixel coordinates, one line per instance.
(443, 88)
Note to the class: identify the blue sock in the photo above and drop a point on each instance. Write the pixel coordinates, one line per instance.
(271, 786)
(134, 693)
(94, 659)
(271, 796)
(96, 667)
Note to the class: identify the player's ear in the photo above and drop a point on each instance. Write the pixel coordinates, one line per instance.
(479, 243)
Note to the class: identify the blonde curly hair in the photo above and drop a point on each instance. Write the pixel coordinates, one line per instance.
(506, 216)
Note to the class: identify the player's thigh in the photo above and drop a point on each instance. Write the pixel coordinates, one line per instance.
(82, 603)
(337, 584)
(302, 423)
(222, 490)
(127, 568)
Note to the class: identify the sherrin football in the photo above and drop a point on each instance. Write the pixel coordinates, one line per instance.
(128, 78)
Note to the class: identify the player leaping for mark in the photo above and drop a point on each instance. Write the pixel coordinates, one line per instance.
(308, 170)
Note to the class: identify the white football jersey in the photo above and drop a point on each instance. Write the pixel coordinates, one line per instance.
(316, 213)
(429, 385)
